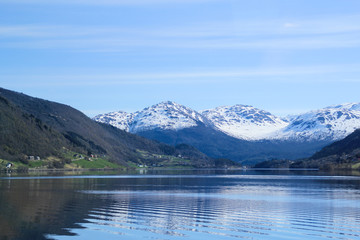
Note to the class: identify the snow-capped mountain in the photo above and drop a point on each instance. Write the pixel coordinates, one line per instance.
(232, 131)
(330, 123)
(118, 119)
(165, 115)
(244, 122)
(348, 106)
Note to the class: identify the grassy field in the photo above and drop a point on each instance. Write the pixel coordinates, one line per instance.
(356, 166)
(3, 164)
(157, 160)
(69, 160)
(94, 163)
(74, 160)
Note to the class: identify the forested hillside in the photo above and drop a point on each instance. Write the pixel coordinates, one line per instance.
(32, 126)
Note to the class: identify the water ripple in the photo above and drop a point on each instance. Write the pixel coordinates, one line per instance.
(223, 207)
(172, 216)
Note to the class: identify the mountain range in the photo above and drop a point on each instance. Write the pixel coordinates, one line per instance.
(241, 132)
(31, 126)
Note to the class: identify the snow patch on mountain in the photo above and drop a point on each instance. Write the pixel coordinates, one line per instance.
(330, 123)
(165, 115)
(118, 119)
(244, 122)
(348, 106)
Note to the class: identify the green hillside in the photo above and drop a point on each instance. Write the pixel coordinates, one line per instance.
(343, 154)
(36, 127)
(23, 135)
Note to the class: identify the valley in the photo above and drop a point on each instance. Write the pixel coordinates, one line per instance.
(171, 135)
(242, 133)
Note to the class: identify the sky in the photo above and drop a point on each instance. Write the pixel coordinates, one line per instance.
(283, 56)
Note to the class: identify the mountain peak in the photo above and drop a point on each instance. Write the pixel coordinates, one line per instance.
(166, 115)
(244, 121)
(166, 105)
(119, 119)
(329, 123)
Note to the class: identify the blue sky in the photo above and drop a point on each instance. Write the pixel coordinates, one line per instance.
(283, 56)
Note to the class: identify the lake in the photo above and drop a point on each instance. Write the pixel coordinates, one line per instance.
(162, 205)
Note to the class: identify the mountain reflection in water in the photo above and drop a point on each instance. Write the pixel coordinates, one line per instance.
(202, 206)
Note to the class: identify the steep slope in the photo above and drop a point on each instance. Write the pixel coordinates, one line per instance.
(342, 154)
(343, 147)
(244, 122)
(23, 135)
(98, 138)
(327, 124)
(120, 119)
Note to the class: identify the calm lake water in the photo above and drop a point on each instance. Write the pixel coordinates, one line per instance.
(181, 205)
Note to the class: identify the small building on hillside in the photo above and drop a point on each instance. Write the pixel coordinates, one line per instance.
(79, 156)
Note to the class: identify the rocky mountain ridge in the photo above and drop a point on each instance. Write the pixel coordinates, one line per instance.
(330, 123)
(242, 121)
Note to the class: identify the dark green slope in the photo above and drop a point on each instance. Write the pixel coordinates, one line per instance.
(22, 134)
(346, 146)
(96, 138)
(343, 154)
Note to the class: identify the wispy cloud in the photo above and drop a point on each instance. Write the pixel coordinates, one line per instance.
(336, 32)
(116, 44)
(225, 29)
(105, 2)
(269, 27)
(189, 77)
(52, 31)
